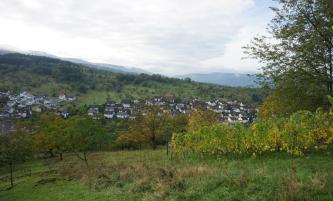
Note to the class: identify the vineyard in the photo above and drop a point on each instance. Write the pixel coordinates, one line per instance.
(303, 131)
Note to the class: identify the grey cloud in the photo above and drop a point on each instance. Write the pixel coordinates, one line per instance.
(160, 35)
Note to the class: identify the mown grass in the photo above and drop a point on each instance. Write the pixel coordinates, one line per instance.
(152, 175)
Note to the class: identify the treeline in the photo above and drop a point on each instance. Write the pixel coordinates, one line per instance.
(297, 134)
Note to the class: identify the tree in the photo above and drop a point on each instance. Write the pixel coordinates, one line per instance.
(14, 148)
(155, 125)
(152, 127)
(84, 135)
(179, 123)
(51, 135)
(298, 60)
(133, 136)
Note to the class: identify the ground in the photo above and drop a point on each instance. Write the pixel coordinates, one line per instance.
(152, 175)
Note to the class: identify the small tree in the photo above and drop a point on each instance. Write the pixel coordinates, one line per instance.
(155, 124)
(133, 135)
(84, 135)
(51, 134)
(14, 148)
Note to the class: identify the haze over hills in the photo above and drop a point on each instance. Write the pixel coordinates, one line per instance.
(109, 67)
(226, 79)
(103, 66)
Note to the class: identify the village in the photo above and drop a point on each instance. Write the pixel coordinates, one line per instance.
(228, 111)
(23, 106)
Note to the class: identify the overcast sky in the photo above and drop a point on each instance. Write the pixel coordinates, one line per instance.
(162, 36)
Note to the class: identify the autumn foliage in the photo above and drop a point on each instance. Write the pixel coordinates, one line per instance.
(295, 135)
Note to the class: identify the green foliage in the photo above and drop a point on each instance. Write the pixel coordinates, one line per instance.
(295, 135)
(298, 62)
(154, 128)
(51, 135)
(201, 118)
(85, 134)
(15, 148)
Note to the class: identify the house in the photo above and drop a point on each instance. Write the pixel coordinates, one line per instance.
(64, 97)
(53, 104)
(11, 103)
(9, 109)
(127, 105)
(37, 108)
(122, 115)
(93, 111)
(24, 112)
(71, 98)
(64, 114)
(39, 99)
(109, 112)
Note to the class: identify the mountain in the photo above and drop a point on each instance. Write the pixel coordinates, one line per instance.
(226, 79)
(108, 67)
(42, 75)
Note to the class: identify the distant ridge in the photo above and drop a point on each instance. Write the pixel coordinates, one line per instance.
(226, 79)
(109, 67)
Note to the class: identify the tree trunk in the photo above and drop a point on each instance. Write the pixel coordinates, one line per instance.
(60, 156)
(51, 153)
(11, 175)
(153, 142)
(85, 159)
(153, 139)
(167, 148)
(331, 72)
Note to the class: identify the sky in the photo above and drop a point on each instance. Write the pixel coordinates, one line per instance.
(170, 37)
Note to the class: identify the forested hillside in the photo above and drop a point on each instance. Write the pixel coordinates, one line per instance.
(49, 76)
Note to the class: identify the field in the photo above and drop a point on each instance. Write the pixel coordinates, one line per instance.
(152, 175)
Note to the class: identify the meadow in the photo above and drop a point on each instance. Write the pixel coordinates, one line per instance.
(153, 175)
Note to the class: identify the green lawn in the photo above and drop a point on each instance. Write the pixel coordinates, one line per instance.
(152, 175)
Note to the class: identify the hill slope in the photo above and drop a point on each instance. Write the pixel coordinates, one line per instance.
(152, 175)
(51, 76)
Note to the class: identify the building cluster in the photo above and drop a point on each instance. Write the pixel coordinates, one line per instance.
(228, 111)
(24, 104)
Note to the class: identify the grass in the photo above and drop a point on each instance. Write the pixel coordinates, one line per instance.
(151, 175)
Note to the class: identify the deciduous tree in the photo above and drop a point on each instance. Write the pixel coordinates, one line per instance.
(298, 58)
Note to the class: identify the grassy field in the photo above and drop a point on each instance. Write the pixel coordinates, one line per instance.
(152, 175)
